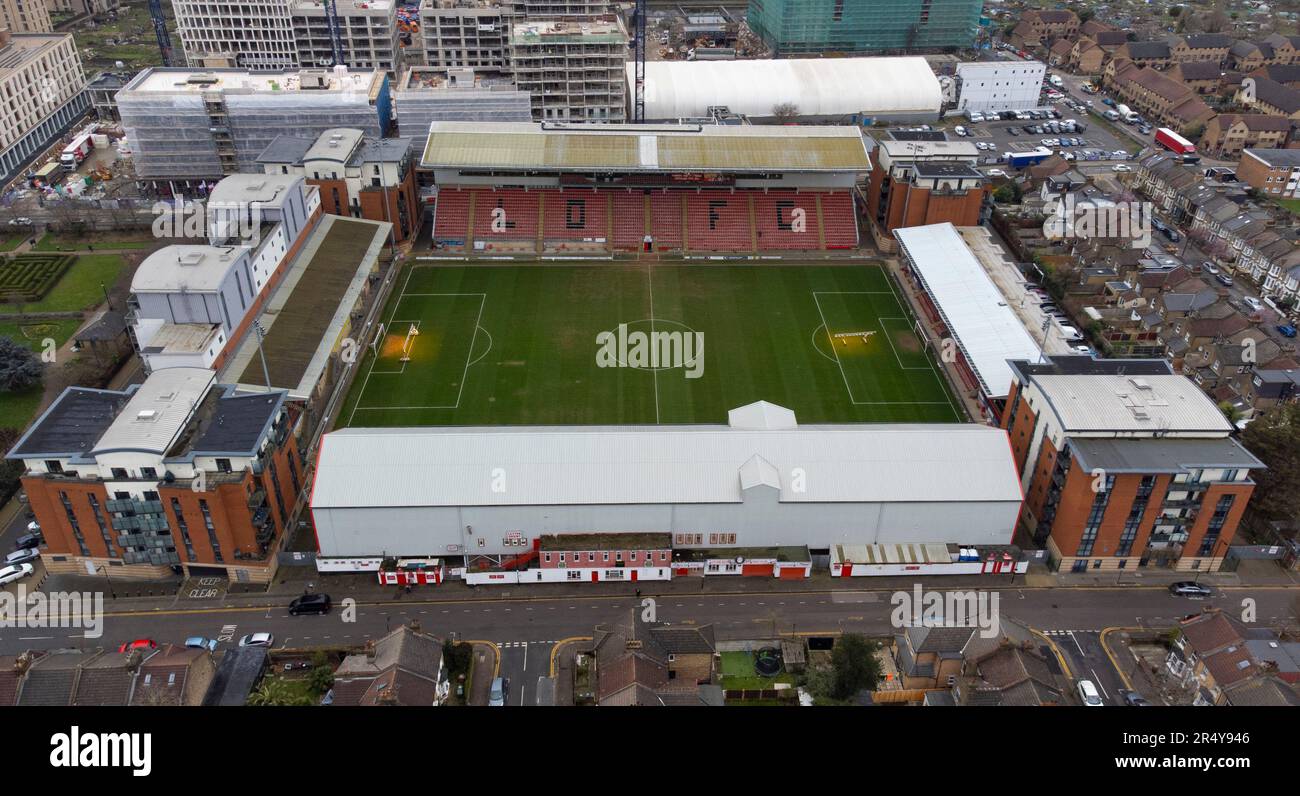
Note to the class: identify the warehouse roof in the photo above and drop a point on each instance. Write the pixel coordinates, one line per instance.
(983, 325)
(817, 86)
(603, 465)
(655, 147)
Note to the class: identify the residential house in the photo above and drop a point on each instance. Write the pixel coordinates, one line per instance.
(1227, 134)
(1161, 98)
(404, 668)
(1038, 28)
(1153, 54)
(1245, 56)
(1261, 691)
(1201, 47)
(1272, 171)
(175, 676)
(1210, 655)
(1268, 388)
(930, 657)
(1008, 670)
(1271, 97)
(1285, 49)
(653, 663)
(1200, 76)
(1286, 74)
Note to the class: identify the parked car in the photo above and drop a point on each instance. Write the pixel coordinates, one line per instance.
(1134, 699)
(257, 640)
(1224, 280)
(15, 572)
(1121, 167)
(962, 131)
(22, 555)
(499, 693)
(310, 604)
(1012, 131)
(138, 644)
(1210, 268)
(1287, 330)
(1089, 694)
(201, 643)
(997, 173)
(1254, 303)
(28, 540)
(1188, 588)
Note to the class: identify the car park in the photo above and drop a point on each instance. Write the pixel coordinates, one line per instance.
(257, 640)
(1089, 695)
(1189, 588)
(15, 572)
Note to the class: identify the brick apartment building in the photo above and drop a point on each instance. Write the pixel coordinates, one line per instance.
(917, 183)
(178, 474)
(359, 177)
(1275, 172)
(1201, 47)
(1227, 134)
(1037, 28)
(1159, 97)
(1125, 465)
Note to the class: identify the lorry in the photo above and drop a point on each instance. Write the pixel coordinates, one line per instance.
(1019, 160)
(1126, 113)
(78, 148)
(48, 175)
(1171, 140)
(1056, 80)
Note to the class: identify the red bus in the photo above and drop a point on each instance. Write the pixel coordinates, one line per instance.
(1174, 142)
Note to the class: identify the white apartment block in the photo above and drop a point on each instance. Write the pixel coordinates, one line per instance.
(574, 69)
(367, 33)
(250, 34)
(999, 86)
(25, 16)
(458, 33)
(41, 94)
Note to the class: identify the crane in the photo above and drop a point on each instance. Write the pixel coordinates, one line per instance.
(160, 31)
(638, 112)
(336, 36)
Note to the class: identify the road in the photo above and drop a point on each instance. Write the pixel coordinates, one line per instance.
(541, 622)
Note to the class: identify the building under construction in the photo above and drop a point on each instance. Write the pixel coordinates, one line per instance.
(572, 68)
(185, 125)
(427, 94)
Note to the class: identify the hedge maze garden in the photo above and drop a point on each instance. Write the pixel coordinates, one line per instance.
(28, 277)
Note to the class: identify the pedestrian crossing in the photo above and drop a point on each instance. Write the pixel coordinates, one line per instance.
(1066, 632)
(507, 644)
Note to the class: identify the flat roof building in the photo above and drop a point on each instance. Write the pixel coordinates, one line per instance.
(792, 27)
(428, 94)
(41, 87)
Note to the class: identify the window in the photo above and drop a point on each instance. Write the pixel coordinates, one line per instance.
(148, 472)
(223, 465)
(120, 473)
(54, 466)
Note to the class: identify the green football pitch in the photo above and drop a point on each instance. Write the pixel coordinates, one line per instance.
(618, 344)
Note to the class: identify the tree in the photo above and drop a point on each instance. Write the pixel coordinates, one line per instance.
(275, 692)
(1008, 194)
(10, 471)
(1230, 411)
(1274, 436)
(785, 111)
(854, 666)
(19, 367)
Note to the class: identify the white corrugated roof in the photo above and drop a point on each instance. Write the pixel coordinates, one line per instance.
(561, 465)
(818, 86)
(985, 328)
(157, 412)
(761, 415)
(1131, 403)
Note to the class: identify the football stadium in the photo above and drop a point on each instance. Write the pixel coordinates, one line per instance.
(644, 274)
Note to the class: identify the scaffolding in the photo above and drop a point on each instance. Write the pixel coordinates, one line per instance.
(428, 95)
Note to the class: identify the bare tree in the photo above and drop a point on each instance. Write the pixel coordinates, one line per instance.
(785, 111)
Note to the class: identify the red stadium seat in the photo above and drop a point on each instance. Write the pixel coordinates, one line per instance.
(451, 217)
(786, 220)
(575, 214)
(666, 219)
(841, 220)
(718, 221)
(505, 214)
(629, 219)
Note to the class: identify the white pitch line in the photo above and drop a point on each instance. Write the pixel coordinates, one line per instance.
(655, 371)
(827, 327)
(365, 383)
(899, 301)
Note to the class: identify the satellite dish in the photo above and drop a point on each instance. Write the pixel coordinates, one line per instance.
(740, 559)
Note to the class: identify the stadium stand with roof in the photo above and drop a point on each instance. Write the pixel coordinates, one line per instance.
(544, 187)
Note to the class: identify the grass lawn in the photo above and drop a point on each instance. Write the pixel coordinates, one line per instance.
(59, 243)
(10, 241)
(522, 345)
(81, 287)
(1290, 204)
(17, 409)
(738, 674)
(33, 333)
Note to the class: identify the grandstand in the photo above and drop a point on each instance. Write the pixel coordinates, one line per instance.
(564, 188)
